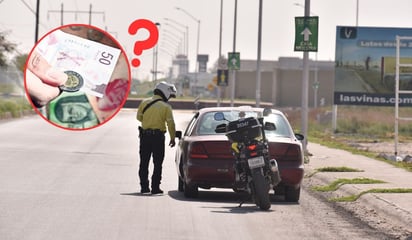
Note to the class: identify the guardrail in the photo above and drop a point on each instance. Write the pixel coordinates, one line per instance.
(193, 105)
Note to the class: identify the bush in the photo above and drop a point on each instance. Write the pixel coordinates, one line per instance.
(13, 108)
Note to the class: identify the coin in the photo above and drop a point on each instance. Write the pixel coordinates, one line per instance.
(74, 82)
(95, 35)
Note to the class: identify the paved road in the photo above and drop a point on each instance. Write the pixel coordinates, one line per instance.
(58, 184)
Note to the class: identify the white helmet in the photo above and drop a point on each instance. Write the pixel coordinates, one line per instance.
(168, 89)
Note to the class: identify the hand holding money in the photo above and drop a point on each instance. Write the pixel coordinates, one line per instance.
(42, 80)
(80, 73)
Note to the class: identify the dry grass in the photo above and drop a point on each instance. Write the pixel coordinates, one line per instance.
(359, 122)
(357, 126)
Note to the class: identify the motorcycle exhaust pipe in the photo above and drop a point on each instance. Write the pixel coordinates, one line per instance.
(275, 172)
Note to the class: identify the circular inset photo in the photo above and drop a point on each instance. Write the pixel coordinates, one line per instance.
(77, 77)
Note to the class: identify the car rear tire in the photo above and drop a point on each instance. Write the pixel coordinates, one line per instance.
(180, 186)
(292, 194)
(190, 190)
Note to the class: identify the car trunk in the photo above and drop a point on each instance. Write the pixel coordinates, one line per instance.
(290, 161)
(211, 162)
(285, 152)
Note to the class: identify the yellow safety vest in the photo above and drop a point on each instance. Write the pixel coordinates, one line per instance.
(157, 116)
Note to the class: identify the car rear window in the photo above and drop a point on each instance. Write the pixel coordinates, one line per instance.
(207, 123)
(280, 127)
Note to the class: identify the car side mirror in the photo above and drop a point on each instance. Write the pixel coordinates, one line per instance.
(221, 128)
(299, 136)
(178, 134)
(269, 126)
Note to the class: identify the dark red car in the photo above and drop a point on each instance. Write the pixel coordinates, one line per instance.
(204, 158)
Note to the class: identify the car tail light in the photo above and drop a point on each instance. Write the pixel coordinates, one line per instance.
(285, 152)
(210, 150)
(293, 152)
(197, 150)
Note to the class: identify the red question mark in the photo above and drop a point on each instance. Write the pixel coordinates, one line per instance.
(139, 46)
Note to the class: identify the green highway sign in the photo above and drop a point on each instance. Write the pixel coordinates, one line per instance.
(233, 61)
(306, 34)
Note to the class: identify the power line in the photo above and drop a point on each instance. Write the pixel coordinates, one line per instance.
(90, 12)
(27, 5)
(36, 14)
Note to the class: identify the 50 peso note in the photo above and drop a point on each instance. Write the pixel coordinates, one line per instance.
(92, 63)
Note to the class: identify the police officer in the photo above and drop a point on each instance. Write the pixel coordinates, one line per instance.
(154, 113)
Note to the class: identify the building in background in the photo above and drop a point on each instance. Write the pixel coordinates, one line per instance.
(281, 82)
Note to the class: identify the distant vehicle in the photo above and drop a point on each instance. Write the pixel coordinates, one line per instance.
(204, 158)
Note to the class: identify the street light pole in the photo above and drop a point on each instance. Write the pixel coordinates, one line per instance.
(176, 39)
(186, 34)
(357, 12)
(36, 32)
(198, 39)
(182, 40)
(305, 84)
(234, 50)
(219, 90)
(259, 55)
(170, 44)
(155, 55)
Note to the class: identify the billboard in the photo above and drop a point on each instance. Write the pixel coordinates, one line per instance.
(365, 64)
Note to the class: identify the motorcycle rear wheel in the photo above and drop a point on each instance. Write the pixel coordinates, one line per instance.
(260, 190)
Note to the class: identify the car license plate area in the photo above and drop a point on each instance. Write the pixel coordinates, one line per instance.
(256, 162)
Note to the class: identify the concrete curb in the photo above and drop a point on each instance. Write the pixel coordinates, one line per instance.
(390, 209)
(378, 202)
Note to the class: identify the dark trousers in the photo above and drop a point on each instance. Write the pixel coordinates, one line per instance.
(151, 145)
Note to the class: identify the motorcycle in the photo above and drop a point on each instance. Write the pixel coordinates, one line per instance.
(255, 172)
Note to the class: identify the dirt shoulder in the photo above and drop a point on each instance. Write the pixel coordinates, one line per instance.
(374, 209)
(385, 147)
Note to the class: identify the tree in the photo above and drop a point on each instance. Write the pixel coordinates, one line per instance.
(6, 47)
(20, 61)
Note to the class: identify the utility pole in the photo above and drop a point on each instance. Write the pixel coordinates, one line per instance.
(155, 56)
(305, 85)
(36, 34)
(259, 52)
(194, 90)
(62, 12)
(234, 50)
(220, 51)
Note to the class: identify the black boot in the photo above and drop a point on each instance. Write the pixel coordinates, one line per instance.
(145, 189)
(157, 190)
